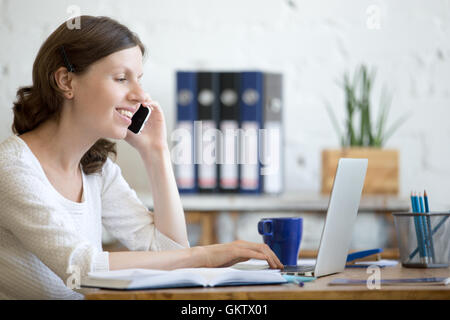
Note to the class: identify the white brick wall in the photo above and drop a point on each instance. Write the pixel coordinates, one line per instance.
(311, 42)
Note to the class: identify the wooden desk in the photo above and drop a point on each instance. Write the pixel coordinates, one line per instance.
(316, 290)
(203, 208)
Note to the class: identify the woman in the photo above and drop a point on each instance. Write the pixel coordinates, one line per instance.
(59, 185)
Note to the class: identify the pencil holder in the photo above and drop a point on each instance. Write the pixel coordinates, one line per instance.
(423, 239)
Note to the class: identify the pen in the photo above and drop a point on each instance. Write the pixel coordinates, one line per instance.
(298, 280)
(300, 284)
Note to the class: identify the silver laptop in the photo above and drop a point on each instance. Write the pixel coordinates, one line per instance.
(339, 222)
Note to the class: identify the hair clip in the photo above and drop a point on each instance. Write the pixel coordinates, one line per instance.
(69, 66)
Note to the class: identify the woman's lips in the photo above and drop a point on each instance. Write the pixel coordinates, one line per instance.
(125, 119)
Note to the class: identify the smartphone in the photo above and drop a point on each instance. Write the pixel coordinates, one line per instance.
(139, 119)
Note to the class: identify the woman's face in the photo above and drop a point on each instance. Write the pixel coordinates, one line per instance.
(109, 93)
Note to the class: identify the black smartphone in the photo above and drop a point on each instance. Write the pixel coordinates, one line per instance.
(139, 119)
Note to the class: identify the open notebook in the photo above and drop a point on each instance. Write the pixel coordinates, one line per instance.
(134, 279)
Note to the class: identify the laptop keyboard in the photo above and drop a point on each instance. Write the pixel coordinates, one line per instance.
(300, 269)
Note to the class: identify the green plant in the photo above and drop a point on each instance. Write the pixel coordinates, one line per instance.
(357, 102)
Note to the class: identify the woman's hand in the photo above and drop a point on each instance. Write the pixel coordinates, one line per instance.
(225, 255)
(153, 135)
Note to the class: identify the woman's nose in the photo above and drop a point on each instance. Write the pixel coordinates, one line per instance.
(137, 94)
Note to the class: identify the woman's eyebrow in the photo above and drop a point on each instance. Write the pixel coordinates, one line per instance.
(127, 70)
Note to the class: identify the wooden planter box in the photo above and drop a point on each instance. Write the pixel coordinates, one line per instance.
(382, 171)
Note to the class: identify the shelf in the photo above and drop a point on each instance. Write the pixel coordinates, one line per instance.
(291, 202)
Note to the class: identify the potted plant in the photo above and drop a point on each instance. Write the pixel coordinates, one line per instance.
(362, 139)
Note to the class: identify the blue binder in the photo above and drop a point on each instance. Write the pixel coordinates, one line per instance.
(251, 116)
(184, 151)
(228, 164)
(208, 118)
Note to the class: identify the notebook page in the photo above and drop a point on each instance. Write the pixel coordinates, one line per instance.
(126, 274)
(222, 276)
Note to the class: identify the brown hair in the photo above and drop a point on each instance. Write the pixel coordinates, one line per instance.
(96, 38)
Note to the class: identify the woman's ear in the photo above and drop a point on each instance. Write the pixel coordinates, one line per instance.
(63, 80)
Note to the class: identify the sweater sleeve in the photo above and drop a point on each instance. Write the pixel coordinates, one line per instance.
(126, 218)
(29, 211)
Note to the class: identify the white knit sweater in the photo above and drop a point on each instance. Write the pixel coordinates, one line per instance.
(43, 234)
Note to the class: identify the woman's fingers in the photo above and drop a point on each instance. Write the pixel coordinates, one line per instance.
(251, 254)
(156, 109)
(264, 251)
(221, 255)
(273, 256)
(149, 102)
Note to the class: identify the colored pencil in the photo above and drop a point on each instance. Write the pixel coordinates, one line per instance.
(416, 226)
(420, 230)
(428, 222)
(431, 233)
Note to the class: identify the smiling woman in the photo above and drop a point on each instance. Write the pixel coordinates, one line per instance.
(59, 185)
(96, 38)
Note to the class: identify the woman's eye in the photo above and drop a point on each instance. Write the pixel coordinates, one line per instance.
(121, 79)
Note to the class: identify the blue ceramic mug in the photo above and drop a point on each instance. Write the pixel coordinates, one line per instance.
(283, 236)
